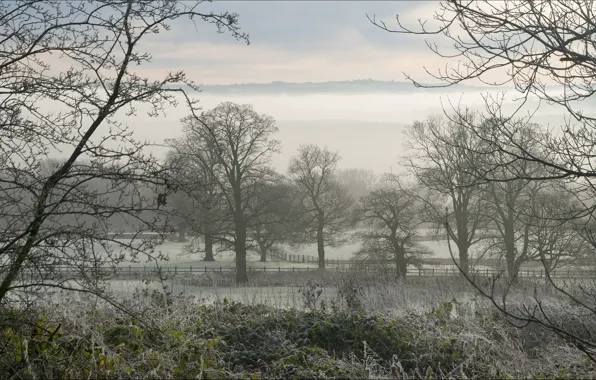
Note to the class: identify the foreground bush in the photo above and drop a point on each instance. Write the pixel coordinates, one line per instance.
(181, 339)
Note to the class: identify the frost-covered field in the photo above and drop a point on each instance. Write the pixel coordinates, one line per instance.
(384, 296)
(177, 255)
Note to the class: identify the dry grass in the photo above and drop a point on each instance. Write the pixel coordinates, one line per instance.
(343, 327)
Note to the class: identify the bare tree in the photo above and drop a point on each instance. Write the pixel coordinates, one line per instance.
(67, 69)
(240, 139)
(528, 45)
(440, 161)
(546, 49)
(391, 217)
(509, 197)
(554, 238)
(325, 203)
(273, 216)
(198, 204)
(508, 203)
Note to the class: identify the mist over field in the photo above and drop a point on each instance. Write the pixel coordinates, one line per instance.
(367, 128)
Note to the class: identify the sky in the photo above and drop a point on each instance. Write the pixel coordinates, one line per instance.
(311, 41)
(297, 41)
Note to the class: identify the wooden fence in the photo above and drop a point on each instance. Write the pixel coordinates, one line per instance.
(136, 271)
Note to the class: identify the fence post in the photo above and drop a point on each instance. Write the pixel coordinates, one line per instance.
(129, 270)
(279, 269)
(264, 269)
(220, 269)
(302, 258)
(292, 269)
(176, 270)
(433, 272)
(568, 273)
(486, 272)
(205, 269)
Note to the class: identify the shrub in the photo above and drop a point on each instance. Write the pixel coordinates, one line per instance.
(178, 338)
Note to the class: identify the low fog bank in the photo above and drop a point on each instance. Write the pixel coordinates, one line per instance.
(365, 128)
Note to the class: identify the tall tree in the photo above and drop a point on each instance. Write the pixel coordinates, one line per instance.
(554, 237)
(326, 204)
(197, 203)
(440, 160)
(545, 49)
(273, 216)
(509, 199)
(240, 139)
(391, 217)
(67, 70)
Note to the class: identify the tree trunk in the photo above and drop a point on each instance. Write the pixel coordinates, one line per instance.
(514, 269)
(241, 269)
(463, 246)
(510, 252)
(400, 263)
(464, 259)
(208, 248)
(263, 251)
(240, 248)
(261, 243)
(321, 246)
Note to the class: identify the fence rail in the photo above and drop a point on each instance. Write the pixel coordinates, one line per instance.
(495, 262)
(135, 271)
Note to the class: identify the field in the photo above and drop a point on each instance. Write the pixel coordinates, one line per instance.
(435, 328)
(286, 324)
(440, 258)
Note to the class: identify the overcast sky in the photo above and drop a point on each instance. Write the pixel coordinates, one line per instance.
(311, 41)
(297, 41)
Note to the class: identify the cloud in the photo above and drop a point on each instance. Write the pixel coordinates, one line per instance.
(424, 11)
(349, 57)
(301, 42)
(301, 25)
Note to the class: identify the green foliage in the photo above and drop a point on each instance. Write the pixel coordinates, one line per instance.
(234, 340)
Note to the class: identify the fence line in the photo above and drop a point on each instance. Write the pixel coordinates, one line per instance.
(386, 271)
(309, 259)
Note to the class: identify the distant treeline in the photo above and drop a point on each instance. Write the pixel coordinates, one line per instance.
(355, 86)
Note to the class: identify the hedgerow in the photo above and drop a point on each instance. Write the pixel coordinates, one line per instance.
(176, 337)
